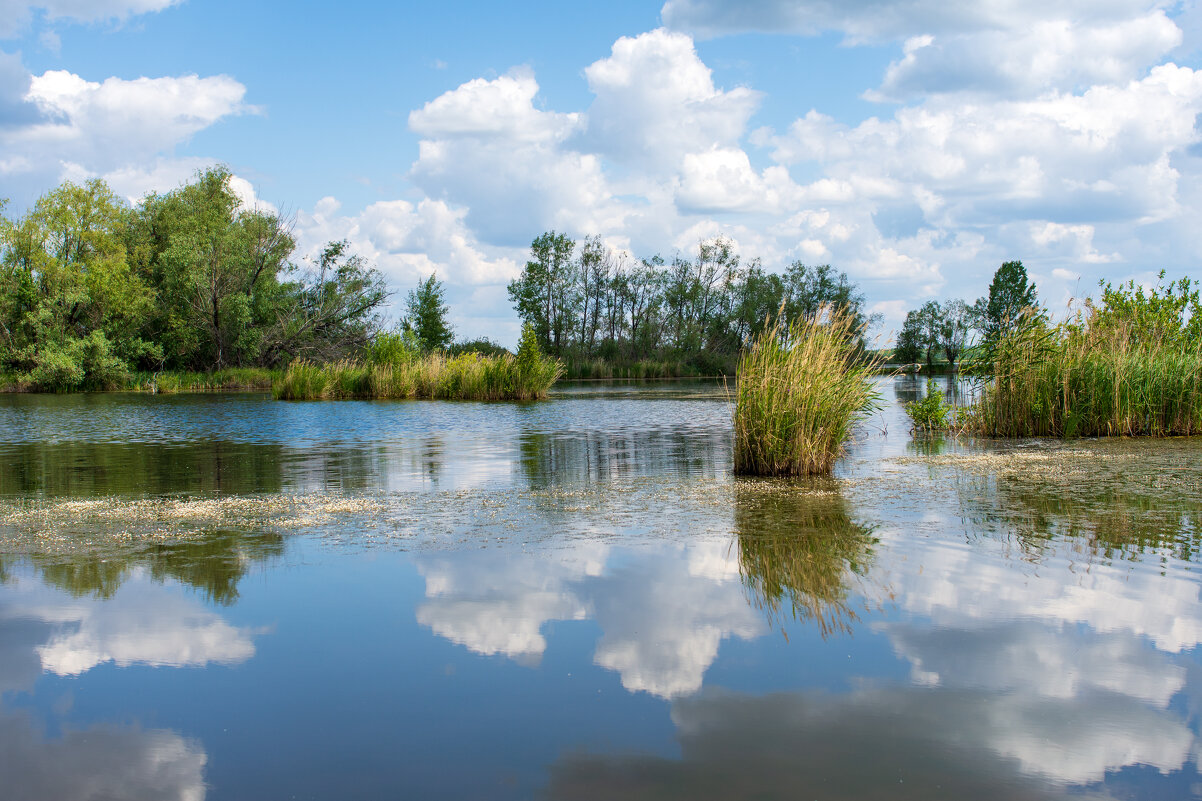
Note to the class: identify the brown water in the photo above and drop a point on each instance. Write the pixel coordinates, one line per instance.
(222, 596)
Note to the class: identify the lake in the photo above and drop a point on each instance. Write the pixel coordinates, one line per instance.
(229, 597)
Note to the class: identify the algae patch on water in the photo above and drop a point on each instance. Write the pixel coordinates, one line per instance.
(58, 524)
(1114, 498)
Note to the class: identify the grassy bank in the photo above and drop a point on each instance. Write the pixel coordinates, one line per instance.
(230, 379)
(226, 380)
(647, 368)
(800, 390)
(470, 376)
(1078, 380)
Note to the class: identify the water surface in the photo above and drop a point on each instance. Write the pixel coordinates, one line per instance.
(227, 597)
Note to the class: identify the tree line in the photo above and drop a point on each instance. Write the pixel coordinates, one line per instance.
(92, 288)
(585, 301)
(948, 328)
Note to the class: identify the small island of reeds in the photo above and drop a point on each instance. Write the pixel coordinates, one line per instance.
(395, 371)
(800, 389)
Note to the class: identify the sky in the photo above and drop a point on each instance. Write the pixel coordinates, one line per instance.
(915, 145)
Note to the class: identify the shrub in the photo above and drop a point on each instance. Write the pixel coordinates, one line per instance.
(56, 371)
(931, 413)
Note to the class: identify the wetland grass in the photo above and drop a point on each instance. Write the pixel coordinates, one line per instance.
(1073, 381)
(469, 376)
(800, 389)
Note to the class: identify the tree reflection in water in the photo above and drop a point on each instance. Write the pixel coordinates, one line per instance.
(797, 548)
(213, 562)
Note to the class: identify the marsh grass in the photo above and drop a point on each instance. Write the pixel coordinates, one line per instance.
(1074, 380)
(230, 378)
(799, 391)
(469, 376)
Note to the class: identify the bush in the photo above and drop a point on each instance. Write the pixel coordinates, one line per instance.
(483, 345)
(87, 363)
(799, 392)
(931, 413)
(56, 371)
(393, 347)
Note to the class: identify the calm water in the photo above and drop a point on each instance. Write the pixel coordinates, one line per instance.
(227, 597)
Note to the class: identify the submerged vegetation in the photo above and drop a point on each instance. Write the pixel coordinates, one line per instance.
(395, 370)
(801, 387)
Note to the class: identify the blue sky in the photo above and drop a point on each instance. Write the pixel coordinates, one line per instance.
(914, 145)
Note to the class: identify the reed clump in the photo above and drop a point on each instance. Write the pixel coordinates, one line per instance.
(1084, 378)
(469, 376)
(800, 389)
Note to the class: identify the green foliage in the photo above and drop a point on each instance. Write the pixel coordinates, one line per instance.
(910, 345)
(399, 346)
(92, 290)
(956, 321)
(468, 376)
(543, 293)
(589, 305)
(800, 390)
(1089, 379)
(482, 345)
(931, 412)
(1010, 296)
(426, 315)
(1167, 315)
(933, 328)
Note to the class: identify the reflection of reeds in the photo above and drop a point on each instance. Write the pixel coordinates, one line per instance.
(800, 389)
(797, 548)
(469, 376)
(1109, 498)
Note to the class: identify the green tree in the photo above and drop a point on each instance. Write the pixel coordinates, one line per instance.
(954, 327)
(909, 347)
(330, 312)
(70, 307)
(217, 266)
(426, 315)
(543, 293)
(1010, 294)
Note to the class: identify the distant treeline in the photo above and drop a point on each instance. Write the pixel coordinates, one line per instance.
(588, 303)
(190, 280)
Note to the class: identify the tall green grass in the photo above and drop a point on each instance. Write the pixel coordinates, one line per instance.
(799, 391)
(469, 376)
(1080, 380)
(230, 378)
